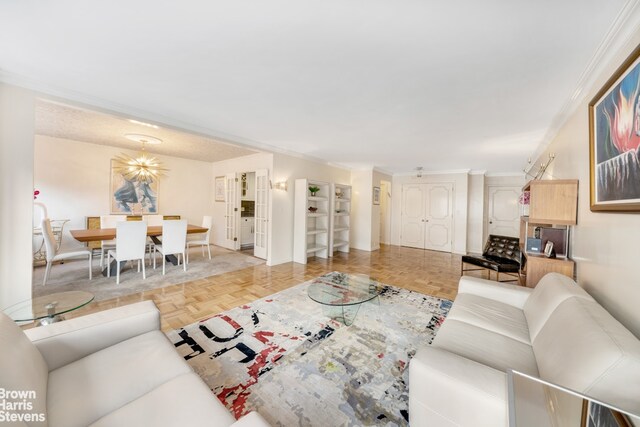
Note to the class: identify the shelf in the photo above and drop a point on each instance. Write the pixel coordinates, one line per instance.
(342, 200)
(316, 214)
(341, 229)
(314, 248)
(341, 214)
(338, 243)
(317, 198)
(319, 231)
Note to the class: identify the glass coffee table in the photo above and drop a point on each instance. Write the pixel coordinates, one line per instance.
(48, 308)
(341, 295)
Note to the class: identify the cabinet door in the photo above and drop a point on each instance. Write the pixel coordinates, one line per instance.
(554, 202)
(538, 266)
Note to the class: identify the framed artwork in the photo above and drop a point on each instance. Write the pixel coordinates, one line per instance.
(597, 415)
(376, 195)
(614, 140)
(132, 197)
(219, 189)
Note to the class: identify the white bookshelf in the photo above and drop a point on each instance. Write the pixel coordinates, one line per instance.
(340, 224)
(311, 220)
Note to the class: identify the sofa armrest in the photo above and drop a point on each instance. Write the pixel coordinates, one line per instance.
(509, 294)
(65, 342)
(450, 390)
(252, 419)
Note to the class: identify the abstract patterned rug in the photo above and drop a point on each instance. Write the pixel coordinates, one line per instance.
(284, 358)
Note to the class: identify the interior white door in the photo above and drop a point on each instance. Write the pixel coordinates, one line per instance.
(261, 213)
(504, 213)
(232, 213)
(413, 225)
(438, 216)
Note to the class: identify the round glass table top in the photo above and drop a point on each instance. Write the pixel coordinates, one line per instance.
(340, 289)
(48, 305)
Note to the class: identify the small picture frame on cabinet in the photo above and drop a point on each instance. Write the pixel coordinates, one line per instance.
(548, 250)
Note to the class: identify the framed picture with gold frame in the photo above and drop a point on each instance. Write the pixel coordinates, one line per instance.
(219, 189)
(614, 140)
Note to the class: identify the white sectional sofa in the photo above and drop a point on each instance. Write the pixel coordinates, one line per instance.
(112, 368)
(555, 331)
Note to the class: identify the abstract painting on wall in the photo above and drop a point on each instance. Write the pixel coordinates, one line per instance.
(131, 196)
(614, 139)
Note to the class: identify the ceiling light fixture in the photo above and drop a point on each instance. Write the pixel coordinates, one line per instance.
(141, 168)
(149, 125)
(419, 171)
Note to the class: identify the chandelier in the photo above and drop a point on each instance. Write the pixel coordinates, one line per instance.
(142, 168)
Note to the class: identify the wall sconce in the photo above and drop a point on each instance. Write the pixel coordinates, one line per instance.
(281, 185)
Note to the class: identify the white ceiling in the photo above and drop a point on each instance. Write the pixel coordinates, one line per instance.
(63, 121)
(389, 83)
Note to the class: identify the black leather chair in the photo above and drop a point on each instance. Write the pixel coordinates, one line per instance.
(501, 254)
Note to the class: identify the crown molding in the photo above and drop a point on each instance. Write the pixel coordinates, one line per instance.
(506, 174)
(432, 172)
(624, 28)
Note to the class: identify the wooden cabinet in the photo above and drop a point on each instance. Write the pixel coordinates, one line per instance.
(552, 203)
(539, 265)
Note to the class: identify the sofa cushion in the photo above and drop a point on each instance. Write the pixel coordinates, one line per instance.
(582, 347)
(484, 346)
(492, 315)
(182, 401)
(22, 367)
(550, 292)
(90, 388)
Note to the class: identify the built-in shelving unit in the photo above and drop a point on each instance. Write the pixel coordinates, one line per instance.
(341, 218)
(311, 220)
(553, 209)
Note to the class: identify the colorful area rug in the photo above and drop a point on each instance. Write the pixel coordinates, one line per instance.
(284, 358)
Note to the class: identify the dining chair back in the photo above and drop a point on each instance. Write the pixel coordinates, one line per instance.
(207, 222)
(153, 220)
(108, 221)
(174, 236)
(174, 240)
(131, 245)
(49, 239)
(54, 254)
(131, 240)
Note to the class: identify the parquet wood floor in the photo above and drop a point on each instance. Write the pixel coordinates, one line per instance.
(428, 272)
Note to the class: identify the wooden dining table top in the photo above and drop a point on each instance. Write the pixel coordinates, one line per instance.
(98, 234)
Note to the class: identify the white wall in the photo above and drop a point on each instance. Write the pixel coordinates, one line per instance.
(74, 182)
(361, 209)
(604, 245)
(289, 168)
(17, 123)
(460, 202)
(476, 214)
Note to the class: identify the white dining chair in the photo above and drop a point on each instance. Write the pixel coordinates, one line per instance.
(207, 222)
(131, 244)
(174, 237)
(53, 254)
(108, 221)
(152, 221)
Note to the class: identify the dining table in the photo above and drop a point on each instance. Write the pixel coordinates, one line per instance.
(153, 231)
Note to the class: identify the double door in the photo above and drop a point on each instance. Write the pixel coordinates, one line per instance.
(427, 216)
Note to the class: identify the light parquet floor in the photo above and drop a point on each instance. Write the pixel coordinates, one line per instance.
(428, 272)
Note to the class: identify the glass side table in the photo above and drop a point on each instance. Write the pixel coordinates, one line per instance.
(48, 309)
